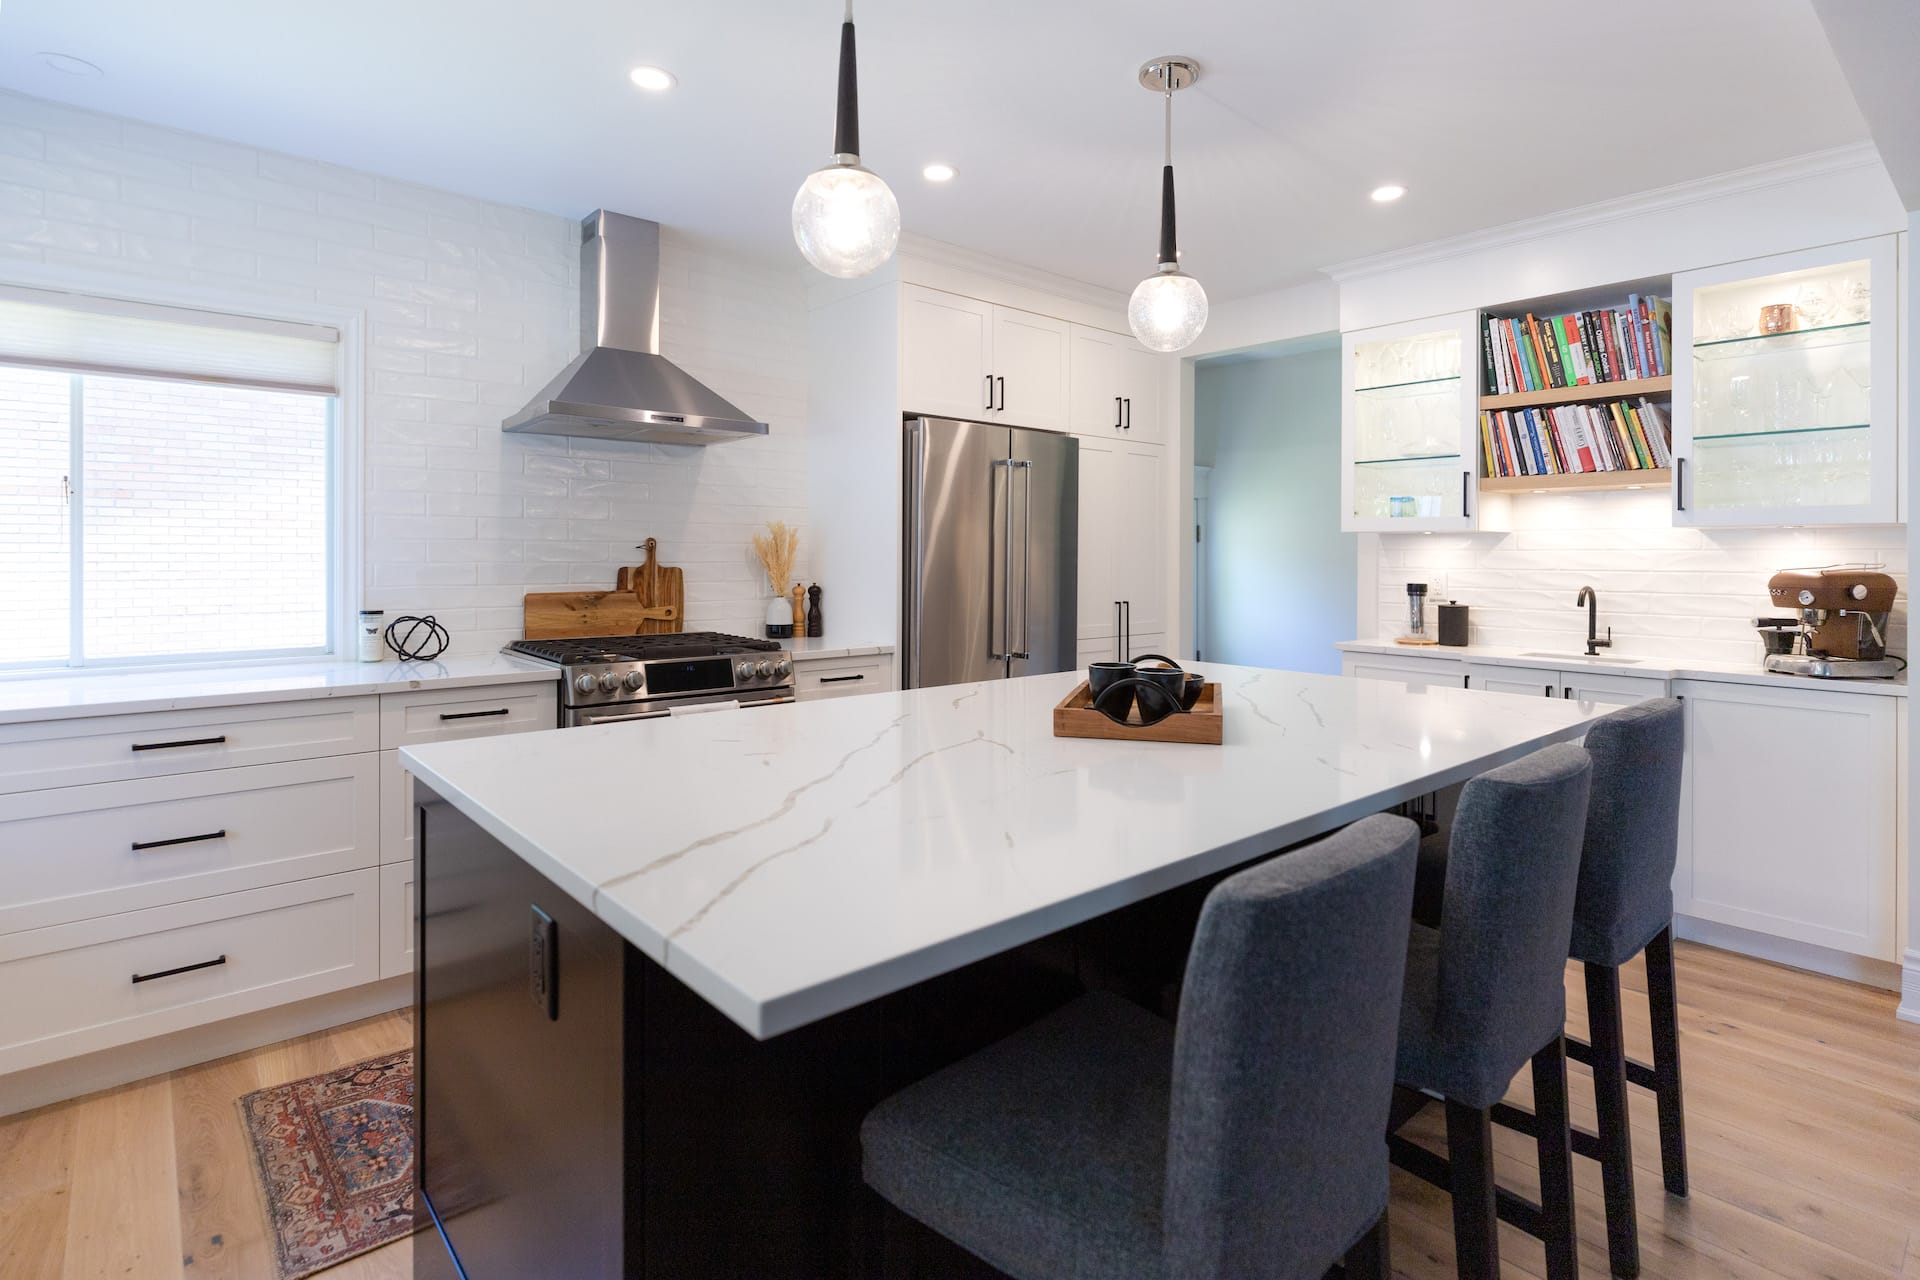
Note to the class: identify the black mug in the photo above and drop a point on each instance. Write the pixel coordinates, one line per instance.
(1156, 704)
(1102, 676)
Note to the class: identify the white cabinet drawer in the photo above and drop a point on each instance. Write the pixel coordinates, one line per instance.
(66, 753)
(1415, 673)
(842, 677)
(76, 988)
(396, 919)
(441, 715)
(75, 852)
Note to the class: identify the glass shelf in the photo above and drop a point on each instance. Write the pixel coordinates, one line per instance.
(1394, 390)
(1420, 457)
(1833, 335)
(1780, 433)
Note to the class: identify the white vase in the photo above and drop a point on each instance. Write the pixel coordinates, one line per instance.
(779, 618)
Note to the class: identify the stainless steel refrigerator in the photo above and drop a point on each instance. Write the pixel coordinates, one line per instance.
(992, 518)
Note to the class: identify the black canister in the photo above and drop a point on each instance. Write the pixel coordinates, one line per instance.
(1453, 624)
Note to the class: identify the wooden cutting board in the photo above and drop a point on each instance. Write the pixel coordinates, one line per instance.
(647, 599)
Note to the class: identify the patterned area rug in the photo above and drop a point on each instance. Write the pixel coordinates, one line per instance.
(335, 1157)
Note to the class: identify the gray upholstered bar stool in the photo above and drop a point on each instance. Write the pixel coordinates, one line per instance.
(1104, 1143)
(1624, 906)
(1485, 996)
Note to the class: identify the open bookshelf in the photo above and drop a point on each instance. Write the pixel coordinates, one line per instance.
(1630, 389)
(1579, 482)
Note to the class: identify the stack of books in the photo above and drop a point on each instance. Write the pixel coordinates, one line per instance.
(1580, 349)
(1569, 439)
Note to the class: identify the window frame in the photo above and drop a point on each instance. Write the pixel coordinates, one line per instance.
(345, 468)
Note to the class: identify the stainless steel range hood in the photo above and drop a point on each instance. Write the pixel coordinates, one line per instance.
(620, 387)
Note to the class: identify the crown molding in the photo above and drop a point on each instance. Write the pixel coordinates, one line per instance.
(1759, 177)
(940, 253)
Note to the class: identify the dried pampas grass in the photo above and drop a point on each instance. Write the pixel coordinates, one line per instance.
(776, 549)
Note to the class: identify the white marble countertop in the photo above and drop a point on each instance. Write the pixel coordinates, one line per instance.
(1655, 668)
(804, 649)
(811, 857)
(72, 694)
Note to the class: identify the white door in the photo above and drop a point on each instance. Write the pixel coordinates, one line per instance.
(1536, 682)
(1140, 374)
(946, 354)
(1787, 814)
(1608, 689)
(1415, 673)
(1095, 398)
(1029, 369)
(1098, 609)
(1141, 570)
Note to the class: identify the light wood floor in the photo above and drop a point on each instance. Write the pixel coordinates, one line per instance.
(1803, 1122)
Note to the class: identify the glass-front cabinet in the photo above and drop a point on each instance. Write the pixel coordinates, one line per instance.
(1408, 457)
(1785, 399)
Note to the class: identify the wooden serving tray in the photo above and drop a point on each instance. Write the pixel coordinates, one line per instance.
(1074, 717)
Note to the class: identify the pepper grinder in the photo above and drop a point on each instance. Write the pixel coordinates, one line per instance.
(816, 623)
(799, 610)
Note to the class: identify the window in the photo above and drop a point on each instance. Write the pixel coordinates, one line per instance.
(166, 483)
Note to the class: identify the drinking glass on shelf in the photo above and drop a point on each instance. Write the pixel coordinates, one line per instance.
(1855, 300)
(1859, 373)
(1816, 301)
(1740, 401)
(1789, 402)
(1820, 380)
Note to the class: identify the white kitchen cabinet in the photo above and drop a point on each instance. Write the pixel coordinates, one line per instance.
(1123, 571)
(1114, 386)
(1418, 673)
(841, 677)
(1409, 426)
(1788, 813)
(946, 354)
(1141, 644)
(1582, 684)
(1536, 682)
(1799, 425)
(397, 904)
(964, 358)
(1029, 369)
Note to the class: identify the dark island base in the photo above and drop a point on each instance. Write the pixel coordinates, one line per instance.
(639, 1133)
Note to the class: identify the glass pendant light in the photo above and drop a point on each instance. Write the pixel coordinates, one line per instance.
(1169, 308)
(845, 219)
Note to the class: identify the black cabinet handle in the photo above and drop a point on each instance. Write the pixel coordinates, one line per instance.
(1566, 693)
(185, 968)
(1465, 477)
(1549, 689)
(184, 742)
(1119, 414)
(989, 403)
(1679, 484)
(138, 845)
(1003, 393)
(472, 715)
(1128, 401)
(840, 679)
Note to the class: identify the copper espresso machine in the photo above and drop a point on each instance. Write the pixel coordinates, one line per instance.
(1840, 627)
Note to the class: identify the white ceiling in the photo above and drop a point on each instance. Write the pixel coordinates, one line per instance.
(1487, 110)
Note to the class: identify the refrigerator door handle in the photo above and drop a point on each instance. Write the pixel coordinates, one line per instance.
(999, 555)
(1024, 469)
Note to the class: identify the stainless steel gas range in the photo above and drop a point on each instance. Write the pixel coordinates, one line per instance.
(607, 679)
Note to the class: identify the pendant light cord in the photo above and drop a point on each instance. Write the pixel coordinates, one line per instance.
(846, 120)
(1169, 252)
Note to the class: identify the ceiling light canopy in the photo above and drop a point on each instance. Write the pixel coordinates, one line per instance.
(845, 219)
(652, 79)
(1388, 193)
(939, 173)
(1169, 308)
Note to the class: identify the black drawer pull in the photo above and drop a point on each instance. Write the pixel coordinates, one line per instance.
(184, 742)
(185, 968)
(472, 715)
(840, 679)
(138, 845)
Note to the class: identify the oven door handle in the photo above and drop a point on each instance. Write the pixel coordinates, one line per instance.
(592, 718)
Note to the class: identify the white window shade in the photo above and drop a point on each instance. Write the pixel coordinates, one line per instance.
(52, 330)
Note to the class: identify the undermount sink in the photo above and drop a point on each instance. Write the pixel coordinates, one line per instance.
(1583, 657)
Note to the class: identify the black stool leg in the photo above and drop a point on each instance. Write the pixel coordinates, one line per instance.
(1555, 1144)
(1609, 1062)
(1370, 1259)
(1665, 1009)
(1476, 1240)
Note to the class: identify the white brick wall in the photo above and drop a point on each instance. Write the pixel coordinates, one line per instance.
(471, 307)
(1679, 593)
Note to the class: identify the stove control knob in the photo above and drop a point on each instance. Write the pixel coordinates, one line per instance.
(764, 670)
(586, 684)
(609, 682)
(783, 668)
(1858, 591)
(744, 671)
(635, 680)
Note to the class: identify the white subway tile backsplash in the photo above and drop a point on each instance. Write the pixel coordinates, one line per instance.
(1674, 593)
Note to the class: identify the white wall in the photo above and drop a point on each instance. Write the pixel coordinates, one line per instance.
(470, 307)
(1280, 574)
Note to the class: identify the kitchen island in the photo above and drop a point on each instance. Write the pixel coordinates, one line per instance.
(665, 968)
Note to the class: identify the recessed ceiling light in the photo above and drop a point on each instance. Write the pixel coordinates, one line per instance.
(1389, 193)
(652, 79)
(938, 173)
(67, 65)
